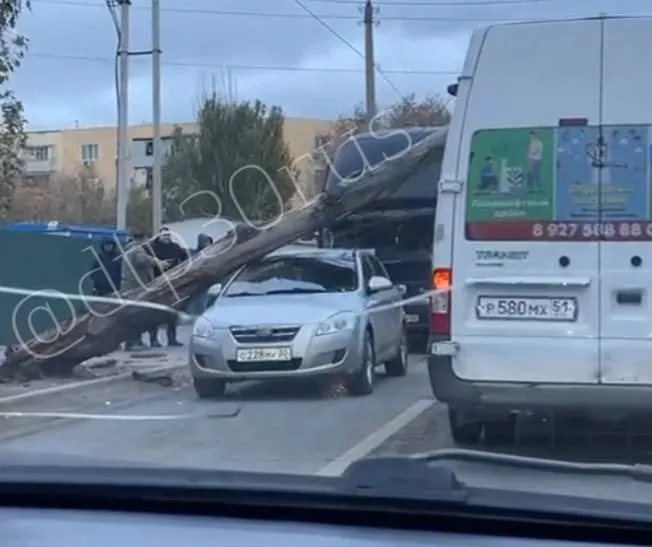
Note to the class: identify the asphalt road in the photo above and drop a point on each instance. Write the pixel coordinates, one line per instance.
(287, 426)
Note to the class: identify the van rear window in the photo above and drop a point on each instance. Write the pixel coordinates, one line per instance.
(560, 184)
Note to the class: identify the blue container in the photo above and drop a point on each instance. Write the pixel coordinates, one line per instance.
(95, 233)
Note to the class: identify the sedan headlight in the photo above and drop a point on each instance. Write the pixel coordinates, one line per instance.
(203, 328)
(337, 323)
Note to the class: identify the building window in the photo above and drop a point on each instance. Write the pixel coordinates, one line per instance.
(90, 152)
(38, 153)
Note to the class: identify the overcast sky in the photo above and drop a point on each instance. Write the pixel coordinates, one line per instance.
(276, 51)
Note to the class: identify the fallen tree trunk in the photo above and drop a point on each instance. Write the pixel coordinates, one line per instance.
(106, 325)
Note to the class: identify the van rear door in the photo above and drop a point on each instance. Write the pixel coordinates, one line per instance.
(626, 248)
(525, 284)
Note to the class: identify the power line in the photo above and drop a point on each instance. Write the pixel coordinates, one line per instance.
(326, 17)
(436, 4)
(231, 66)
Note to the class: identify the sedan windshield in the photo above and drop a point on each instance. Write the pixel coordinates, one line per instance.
(295, 275)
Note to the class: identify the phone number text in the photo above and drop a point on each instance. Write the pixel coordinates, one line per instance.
(618, 231)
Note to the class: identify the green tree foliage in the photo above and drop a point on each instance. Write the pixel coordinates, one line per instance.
(238, 166)
(13, 46)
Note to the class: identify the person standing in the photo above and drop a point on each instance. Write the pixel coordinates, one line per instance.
(137, 272)
(198, 304)
(172, 254)
(106, 269)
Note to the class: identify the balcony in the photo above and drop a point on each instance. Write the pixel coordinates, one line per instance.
(40, 166)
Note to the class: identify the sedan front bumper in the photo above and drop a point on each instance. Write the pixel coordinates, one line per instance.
(312, 355)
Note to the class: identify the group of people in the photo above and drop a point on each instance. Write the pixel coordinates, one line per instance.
(146, 261)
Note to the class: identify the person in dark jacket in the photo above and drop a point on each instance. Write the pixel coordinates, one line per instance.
(106, 269)
(198, 304)
(203, 241)
(173, 254)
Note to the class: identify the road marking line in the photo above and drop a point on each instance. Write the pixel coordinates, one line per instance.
(85, 383)
(336, 467)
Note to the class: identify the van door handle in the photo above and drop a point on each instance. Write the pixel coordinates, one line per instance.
(530, 281)
(629, 297)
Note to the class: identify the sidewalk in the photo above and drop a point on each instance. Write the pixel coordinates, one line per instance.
(120, 363)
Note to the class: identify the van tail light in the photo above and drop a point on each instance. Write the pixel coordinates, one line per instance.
(440, 302)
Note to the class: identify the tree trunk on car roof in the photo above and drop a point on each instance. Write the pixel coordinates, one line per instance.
(101, 330)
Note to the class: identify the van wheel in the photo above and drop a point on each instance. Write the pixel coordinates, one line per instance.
(397, 366)
(361, 382)
(463, 432)
(209, 388)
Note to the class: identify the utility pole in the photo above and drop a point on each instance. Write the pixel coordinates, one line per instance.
(122, 189)
(370, 64)
(157, 156)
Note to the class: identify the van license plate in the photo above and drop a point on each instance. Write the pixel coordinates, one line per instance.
(251, 355)
(412, 318)
(527, 308)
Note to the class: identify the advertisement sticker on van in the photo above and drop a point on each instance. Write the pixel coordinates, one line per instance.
(571, 183)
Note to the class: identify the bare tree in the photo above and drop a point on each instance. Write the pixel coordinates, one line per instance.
(75, 198)
(139, 211)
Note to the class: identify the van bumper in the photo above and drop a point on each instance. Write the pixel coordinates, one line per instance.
(523, 397)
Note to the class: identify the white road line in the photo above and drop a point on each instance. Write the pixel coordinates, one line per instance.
(373, 441)
(85, 383)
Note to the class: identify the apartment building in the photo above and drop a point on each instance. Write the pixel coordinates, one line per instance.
(68, 150)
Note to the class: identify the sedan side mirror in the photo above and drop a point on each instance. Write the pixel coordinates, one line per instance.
(215, 290)
(378, 283)
(402, 289)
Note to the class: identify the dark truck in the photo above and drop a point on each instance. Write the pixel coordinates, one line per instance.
(400, 227)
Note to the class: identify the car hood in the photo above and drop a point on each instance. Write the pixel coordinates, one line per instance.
(280, 309)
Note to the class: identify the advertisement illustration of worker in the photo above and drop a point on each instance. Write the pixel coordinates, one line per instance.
(534, 156)
(511, 174)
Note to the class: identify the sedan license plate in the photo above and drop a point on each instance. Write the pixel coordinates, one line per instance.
(250, 355)
(526, 308)
(412, 317)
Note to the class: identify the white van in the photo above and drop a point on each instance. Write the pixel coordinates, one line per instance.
(543, 227)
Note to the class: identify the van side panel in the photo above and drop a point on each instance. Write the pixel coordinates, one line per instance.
(454, 166)
(508, 255)
(626, 250)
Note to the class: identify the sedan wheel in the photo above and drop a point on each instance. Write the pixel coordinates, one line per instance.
(209, 388)
(362, 380)
(397, 366)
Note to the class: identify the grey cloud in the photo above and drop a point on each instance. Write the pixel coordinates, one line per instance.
(59, 90)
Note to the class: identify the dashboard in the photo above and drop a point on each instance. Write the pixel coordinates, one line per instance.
(61, 528)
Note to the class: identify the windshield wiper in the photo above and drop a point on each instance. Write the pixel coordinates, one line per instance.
(636, 471)
(295, 291)
(243, 294)
(429, 475)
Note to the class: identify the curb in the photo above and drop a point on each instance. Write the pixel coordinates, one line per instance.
(84, 384)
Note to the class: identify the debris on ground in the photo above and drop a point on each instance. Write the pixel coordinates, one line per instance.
(162, 378)
(97, 367)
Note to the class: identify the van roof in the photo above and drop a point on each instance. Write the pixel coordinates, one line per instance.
(560, 20)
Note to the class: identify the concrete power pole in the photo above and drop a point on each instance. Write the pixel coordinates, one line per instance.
(370, 64)
(157, 156)
(122, 189)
